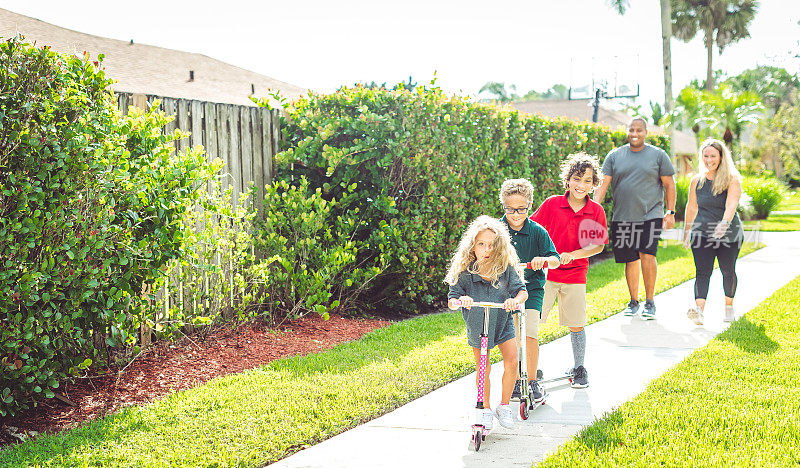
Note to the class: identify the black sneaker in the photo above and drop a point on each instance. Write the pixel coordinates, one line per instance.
(517, 392)
(581, 378)
(649, 311)
(536, 391)
(631, 309)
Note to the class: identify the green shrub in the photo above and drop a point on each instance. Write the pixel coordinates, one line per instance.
(90, 211)
(309, 253)
(682, 197)
(424, 165)
(765, 194)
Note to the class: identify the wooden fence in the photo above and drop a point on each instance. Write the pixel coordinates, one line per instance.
(246, 139)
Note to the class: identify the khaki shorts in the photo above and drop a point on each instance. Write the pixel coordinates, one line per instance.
(571, 303)
(531, 324)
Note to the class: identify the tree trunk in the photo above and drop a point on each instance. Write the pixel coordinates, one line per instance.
(710, 50)
(666, 36)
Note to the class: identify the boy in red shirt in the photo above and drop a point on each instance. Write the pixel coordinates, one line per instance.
(577, 226)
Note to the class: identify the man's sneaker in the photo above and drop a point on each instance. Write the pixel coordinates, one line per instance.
(632, 309)
(695, 314)
(517, 392)
(649, 311)
(581, 378)
(487, 419)
(730, 315)
(536, 393)
(503, 413)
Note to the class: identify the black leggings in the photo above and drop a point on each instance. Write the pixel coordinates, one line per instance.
(704, 256)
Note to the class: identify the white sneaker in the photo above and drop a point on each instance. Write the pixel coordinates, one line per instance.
(487, 419)
(695, 314)
(730, 316)
(503, 413)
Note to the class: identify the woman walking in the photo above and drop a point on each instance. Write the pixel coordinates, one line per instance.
(712, 226)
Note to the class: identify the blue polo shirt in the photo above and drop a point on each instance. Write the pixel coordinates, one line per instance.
(532, 241)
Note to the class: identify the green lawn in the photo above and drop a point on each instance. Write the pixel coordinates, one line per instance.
(777, 223)
(791, 202)
(734, 402)
(262, 415)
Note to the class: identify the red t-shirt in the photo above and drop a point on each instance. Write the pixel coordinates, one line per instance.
(571, 230)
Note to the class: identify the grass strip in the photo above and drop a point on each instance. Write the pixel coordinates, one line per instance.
(791, 201)
(775, 223)
(731, 403)
(265, 414)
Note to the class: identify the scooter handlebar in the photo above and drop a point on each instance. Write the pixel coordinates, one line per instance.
(494, 305)
(529, 266)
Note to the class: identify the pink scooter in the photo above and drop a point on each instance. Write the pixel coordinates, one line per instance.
(478, 429)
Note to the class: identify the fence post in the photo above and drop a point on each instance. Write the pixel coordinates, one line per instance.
(145, 333)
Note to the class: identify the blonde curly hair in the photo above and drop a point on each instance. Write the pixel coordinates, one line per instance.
(503, 253)
(516, 187)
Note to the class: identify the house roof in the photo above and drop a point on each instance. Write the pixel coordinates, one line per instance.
(147, 69)
(581, 110)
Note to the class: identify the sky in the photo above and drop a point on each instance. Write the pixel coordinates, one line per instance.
(323, 44)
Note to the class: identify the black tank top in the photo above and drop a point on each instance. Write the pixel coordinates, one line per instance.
(710, 209)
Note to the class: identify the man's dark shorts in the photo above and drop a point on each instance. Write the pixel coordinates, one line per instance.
(628, 239)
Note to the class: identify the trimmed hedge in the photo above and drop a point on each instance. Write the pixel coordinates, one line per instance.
(90, 210)
(410, 170)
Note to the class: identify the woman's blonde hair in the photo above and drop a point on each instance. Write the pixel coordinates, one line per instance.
(503, 253)
(726, 170)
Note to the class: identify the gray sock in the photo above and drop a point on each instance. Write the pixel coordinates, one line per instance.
(578, 346)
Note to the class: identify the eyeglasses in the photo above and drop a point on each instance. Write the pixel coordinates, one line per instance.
(516, 210)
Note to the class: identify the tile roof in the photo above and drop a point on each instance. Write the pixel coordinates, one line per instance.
(147, 69)
(581, 110)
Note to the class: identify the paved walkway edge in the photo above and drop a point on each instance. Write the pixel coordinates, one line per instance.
(623, 355)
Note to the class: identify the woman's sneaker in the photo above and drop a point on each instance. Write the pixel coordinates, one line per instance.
(581, 378)
(503, 413)
(730, 315)
(695, 314)
(487, 419)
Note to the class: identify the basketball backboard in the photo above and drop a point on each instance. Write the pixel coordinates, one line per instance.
(615, 76)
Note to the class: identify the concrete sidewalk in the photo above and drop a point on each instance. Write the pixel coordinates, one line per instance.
(623, 355)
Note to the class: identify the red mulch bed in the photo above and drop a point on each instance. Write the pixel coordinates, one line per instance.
(171, 367)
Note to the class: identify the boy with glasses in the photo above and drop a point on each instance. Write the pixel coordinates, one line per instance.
(533, 245)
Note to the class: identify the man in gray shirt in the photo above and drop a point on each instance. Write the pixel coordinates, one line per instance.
(639, 175)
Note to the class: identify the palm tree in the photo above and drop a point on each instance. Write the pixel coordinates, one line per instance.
(688, 109)
(725, 108)
(722, 22)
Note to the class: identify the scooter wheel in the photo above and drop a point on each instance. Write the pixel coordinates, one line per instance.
(478, 438)
(524, 411)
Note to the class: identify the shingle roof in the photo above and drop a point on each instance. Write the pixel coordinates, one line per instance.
(146, 69)
(581, 110)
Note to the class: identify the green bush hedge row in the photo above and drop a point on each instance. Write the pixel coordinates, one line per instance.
(90, 210)
(406, 172)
